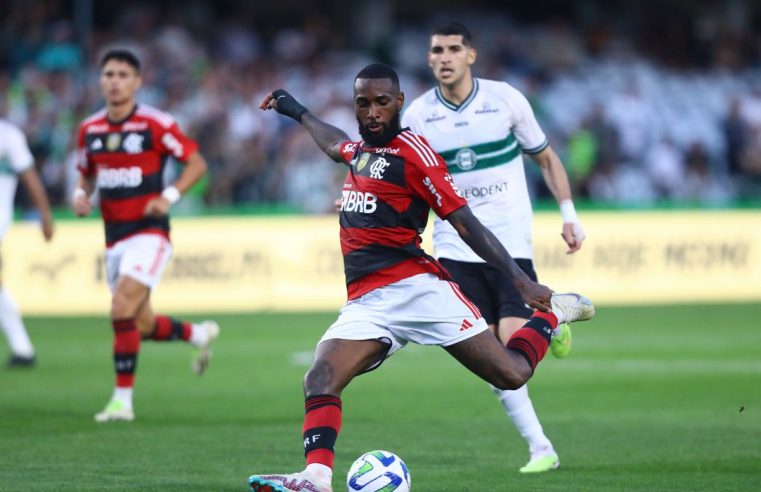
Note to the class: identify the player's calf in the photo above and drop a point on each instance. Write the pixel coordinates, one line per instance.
(534, 338)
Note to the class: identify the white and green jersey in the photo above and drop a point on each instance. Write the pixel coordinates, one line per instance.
(15, 158)
(481, 141)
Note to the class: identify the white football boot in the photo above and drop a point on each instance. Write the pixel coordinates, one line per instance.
(302, 481)
(570, 307)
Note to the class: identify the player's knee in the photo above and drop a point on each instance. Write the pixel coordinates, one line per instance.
(510, 378)
(121, 306)
(320, 380)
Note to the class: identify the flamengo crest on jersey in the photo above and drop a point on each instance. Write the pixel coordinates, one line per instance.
(385, 202)
(127, 160)
(481, 141)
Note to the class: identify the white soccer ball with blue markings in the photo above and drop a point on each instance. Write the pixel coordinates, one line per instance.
(378, 471)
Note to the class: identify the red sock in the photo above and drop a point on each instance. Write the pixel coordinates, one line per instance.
(532, 340)
(166, 328)
(322, 423)
(126, 347)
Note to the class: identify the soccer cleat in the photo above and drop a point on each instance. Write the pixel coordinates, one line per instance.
(302, 481)
(203, 353)
(21, 361)
(572, 307)
(116, 410)
(541, 464)
(561, 341)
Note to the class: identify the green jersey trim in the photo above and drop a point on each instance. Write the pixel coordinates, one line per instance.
(538, 148)
(464, 104)
(484, 148)
(482, 156)
(5, 167)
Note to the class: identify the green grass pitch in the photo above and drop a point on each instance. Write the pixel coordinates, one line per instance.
(651, 398)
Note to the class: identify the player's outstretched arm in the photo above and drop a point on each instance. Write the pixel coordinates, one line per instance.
(327, 137)
(39, 197)
(487, 246)
(557, 181)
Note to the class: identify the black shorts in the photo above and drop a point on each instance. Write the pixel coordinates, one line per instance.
(491, 290)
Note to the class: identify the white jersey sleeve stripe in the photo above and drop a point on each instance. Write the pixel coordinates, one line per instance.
(95, 116)
(164, 119)
(427, 148)
(414, 146)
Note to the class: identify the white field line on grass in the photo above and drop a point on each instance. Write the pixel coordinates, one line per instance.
(301, 359)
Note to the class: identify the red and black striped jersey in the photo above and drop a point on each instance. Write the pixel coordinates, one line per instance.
(385, 203)
(127, 159)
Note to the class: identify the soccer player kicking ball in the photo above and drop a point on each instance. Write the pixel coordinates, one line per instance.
(122, 150)
(480, 127)
(396, 292)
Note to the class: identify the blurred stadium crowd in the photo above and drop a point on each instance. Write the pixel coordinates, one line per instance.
(640, 111)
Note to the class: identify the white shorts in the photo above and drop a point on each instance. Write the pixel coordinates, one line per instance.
(142, 257)
(421, 309)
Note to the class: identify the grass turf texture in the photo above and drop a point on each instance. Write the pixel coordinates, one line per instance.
(649, 399)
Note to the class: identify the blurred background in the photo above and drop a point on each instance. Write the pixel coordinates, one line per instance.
(649, 104)
(655, 110)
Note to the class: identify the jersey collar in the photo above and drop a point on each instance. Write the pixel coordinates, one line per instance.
(117, 123)
(464, 104)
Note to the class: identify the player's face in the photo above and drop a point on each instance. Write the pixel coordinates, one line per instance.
(450, 59)
(377, 105)
(118, 82)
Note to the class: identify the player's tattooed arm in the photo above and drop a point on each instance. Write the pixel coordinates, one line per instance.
(487, 246)
(326, 136)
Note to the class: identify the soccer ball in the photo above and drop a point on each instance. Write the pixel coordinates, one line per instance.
(378, 471)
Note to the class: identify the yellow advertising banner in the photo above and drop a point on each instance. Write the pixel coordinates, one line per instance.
(238, 264)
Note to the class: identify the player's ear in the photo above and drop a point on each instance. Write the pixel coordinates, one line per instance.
(472, 55)
(400, 101)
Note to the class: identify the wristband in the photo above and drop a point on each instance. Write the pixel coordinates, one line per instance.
(287, 105)
(78, 193)
(568, 211)
(171, 194)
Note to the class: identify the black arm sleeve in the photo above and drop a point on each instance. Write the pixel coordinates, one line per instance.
(288, 105)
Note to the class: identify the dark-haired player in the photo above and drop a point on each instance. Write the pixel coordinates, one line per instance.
(396, 292)
(480, 127)
(123, 149)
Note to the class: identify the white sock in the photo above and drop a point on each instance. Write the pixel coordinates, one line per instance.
(519, 408)
(123, 394)
(323, 472)
(198, 335)
(10, 319)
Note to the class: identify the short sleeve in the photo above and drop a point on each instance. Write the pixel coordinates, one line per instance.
(527, 131)
(172, 141)
(85, 165)
(18, 151)
(348, 151)
(429, 179)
